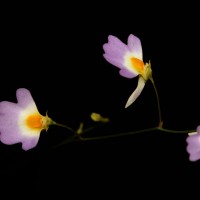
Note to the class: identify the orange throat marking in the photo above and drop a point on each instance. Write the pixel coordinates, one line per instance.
(138, 65)
(34, 121)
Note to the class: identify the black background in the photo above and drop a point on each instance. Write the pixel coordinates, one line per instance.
(56, 51)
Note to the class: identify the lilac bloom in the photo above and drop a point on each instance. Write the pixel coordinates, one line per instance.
(193, 145)
(129, 59)
(21, 122)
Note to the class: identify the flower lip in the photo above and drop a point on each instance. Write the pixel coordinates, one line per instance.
(21, 122)
(193, 145)
(137, 91)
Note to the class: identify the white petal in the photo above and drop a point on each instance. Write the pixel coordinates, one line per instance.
(135, 46)
(192, 133)
(137, 92)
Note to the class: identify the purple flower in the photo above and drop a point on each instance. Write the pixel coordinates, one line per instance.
(129, 59)
(21, 122)
(193, 145)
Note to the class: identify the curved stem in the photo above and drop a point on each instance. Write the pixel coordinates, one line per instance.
(77, 137)
(135, 132)
(64, 126)
(174, 131)
(118, 135)
(71, 139)
(93, 127)
(158, 103)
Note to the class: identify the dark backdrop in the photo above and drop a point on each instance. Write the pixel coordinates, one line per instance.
(57, 54)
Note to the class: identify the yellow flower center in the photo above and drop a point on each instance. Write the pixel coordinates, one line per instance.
(34, 121)
(138, 65)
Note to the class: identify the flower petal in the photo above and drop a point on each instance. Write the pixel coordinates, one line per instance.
(193, 143)
(194, 156)
(126, 73)
(115, 50)
(13, 124)
(24, 97)
(115, 46)
(198, 129)
(134, 45)
(116, 61)
(9, 130)
(137, 92)
(29, 144)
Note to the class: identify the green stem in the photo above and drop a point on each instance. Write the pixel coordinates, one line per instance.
(64, 126)
(118, 135)
(93, 127)
(77, 137)
(135, 132)
(174, 131)
(82, 131)
(71, 139)
(158, 103)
